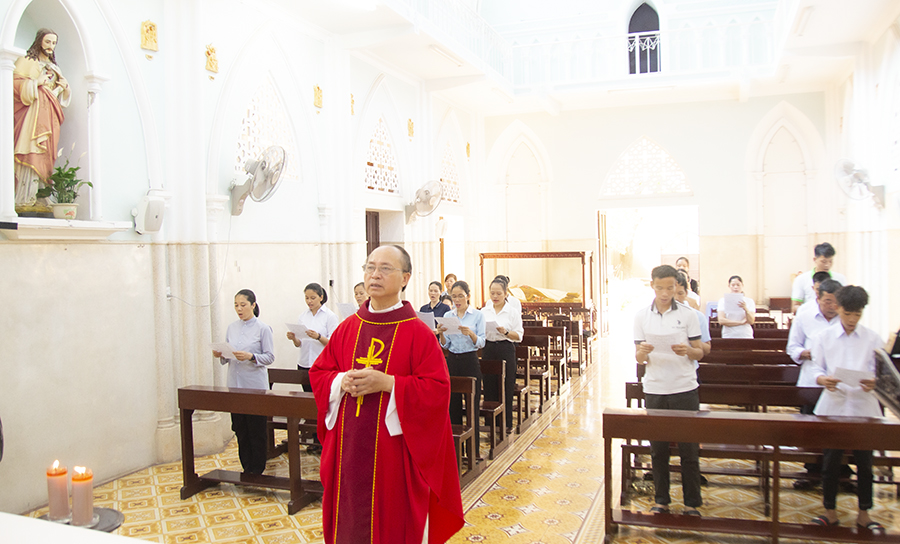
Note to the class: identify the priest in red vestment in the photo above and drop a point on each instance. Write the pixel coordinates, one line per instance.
(383, 391)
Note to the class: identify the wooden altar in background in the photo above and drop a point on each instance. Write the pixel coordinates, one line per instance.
(584, 308)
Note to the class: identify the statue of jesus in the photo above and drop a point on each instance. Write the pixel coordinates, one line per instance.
(40, 92)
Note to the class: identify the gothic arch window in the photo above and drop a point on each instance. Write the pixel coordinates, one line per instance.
(645, 169)
(381, 162)
(265, 123)
(643, 40)
(449, 176)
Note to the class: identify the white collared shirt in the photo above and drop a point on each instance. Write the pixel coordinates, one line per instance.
(668, 373)
(323, 322)
(738, 331)
(807, 323)
(833, 348)
(508, 318)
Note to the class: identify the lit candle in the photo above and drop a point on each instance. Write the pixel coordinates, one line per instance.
(82, 496)
(58, 491)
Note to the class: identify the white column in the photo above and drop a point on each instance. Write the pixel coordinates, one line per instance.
(95, 149)
(7, 160)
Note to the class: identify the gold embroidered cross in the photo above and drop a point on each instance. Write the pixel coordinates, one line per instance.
(368, 361)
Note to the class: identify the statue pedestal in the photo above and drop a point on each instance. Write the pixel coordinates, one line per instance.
(34, 211)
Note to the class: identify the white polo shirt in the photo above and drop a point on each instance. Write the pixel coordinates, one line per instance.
(833, 348)
(802, 289)
(807, 323)
(667, 373)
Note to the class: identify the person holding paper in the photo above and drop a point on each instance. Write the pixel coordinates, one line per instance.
(843, 357)
(667, 341)
(462, 350)
(737, 312)
(434, 305)
(320, 323)
(690, 298)
(681, 296)
(382, 389)
(254, 350)
(514, 303)
(506, 329)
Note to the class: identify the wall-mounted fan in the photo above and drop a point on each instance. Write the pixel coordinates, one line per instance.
(264, 173)
(427, 199)
(854, 181)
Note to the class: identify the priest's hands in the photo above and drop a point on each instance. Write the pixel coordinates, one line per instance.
(366, 380)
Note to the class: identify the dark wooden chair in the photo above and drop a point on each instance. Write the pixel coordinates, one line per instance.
(522, 392)
(307, 427)
(539, 349)
(464, 438)
(493, 409)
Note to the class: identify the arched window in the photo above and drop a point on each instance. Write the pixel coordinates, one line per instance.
(449, 176)
(643, 40)
(645, 169)
(266, 123)
(381, 163)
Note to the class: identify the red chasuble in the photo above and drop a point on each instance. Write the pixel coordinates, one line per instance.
(379, 488)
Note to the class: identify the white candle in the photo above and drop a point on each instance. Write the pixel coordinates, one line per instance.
(82, 496)
(58, 492)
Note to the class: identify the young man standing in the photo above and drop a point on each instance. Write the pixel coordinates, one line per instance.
(383, 394)
(802, 290)
(847, 345)
(667, 340)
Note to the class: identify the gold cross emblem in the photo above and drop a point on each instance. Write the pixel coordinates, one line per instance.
(368, 361)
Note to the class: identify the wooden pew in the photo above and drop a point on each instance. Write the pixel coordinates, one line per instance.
(464, 434)
(749, 344)
(494, 410)
(733, 357)
(293, 405)
(576, 338)
(767, 332)
(307, 428)
(774, 430)
(748, 374)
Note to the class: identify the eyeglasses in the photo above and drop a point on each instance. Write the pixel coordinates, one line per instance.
(384, 269)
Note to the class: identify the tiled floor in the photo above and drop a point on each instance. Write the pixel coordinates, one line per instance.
(547, 487)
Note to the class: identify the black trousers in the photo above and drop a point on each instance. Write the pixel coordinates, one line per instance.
(251, 436)
(465, 364)
(831, 473)
(689, 453)
(506, 352)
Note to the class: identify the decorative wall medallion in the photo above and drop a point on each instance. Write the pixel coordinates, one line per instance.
(212, 62)
(148, 36)
(410, 127)
(317, 96)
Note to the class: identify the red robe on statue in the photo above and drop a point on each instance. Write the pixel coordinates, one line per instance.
(380, 488)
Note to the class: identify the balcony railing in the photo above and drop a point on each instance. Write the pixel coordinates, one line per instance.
(607, 58)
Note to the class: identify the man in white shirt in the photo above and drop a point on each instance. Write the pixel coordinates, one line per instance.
(667, 340)
(849, 346)
(802, 290)
(811, 319)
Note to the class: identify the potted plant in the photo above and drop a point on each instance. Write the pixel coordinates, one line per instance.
(63, 186)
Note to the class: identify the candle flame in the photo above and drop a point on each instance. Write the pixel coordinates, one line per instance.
(80, 470)
(56, 464)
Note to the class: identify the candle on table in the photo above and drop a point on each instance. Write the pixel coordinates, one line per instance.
(82, 496)
(58, 491)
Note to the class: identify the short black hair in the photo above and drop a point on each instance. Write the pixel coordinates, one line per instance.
(683, 258)
(735, 277)
(405, 259)
(852, 298)
(824, 250)
(829, 286)
(317, 289)
(682, 281)
(435, 282)
(664, 271)
(819, 277)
